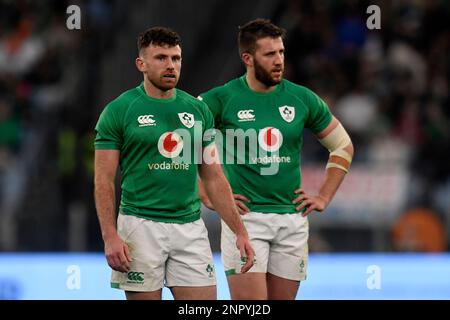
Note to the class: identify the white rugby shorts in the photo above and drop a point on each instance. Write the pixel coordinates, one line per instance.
(280, 242)
(164, 254)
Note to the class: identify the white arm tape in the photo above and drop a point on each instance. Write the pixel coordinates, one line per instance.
(336, 141)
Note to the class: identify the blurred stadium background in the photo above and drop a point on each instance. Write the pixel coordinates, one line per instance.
(389, 87)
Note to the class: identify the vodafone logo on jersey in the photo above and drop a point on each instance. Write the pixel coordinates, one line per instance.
(170, 144)
(270, 139)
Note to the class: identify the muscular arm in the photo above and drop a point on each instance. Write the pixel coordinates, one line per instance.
(116, 251)
(106, 164)
(203, 196)
(219, 192)
(239, 199)
(336, 140)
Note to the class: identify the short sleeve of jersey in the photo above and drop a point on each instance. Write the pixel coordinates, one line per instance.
(213, 102)
(209, 132)
(108, 130)
(319, 113)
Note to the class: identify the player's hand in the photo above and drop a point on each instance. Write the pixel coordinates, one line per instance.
(117, 254)
(247, 252)
(309, 202)
(239, 200)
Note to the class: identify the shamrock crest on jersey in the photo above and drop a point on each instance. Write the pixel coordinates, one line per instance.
(187, 119)
(287, 113)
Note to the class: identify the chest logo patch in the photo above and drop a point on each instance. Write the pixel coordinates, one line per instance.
(287, 113)
(146, 120)
(270, 139)
(187, 119)
(246, 115)
(170, 144)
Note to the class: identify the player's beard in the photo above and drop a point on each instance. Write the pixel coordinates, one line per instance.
(265, 77)
(158, 83)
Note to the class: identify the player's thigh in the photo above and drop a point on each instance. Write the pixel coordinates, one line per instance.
(256, 225)
(190, 262)
(194, 293)
(248, 286)
(288, 257)
(280, 288)
(153, 295)
(148, 254)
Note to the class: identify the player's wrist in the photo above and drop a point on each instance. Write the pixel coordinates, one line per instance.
(325, 198)
(109, 235)
(241, 232)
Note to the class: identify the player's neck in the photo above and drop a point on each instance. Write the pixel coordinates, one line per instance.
(256, 85)
(157, 93)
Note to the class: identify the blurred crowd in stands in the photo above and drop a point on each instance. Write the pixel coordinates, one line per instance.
(389, 87)
(49, 78)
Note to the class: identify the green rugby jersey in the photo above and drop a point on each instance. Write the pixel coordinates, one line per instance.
(158, 164)
(274, 121)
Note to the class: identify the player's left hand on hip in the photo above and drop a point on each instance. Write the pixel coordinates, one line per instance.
(309, 202)
(240, 200)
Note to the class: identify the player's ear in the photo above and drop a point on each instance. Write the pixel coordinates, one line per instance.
(247, 58)
(140, 64)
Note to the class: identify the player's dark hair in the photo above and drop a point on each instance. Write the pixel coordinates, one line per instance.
(254, 30)
(159, 36)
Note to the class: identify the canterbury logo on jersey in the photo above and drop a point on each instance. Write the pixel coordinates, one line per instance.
(135, 276)
(146, 120)
(246, 115)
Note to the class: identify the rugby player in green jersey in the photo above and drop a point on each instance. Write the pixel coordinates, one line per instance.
(159, 238)
(262, 118)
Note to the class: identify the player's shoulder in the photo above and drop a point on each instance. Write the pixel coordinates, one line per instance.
(190, 100)
(296, 89)
(211, 92)
(222, 91)
(124, 100)
(307, 96)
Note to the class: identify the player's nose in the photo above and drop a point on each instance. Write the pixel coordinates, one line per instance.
(170, 65)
